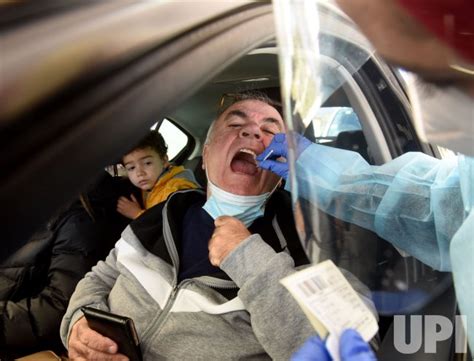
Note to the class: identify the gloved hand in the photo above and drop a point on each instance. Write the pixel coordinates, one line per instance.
(313, 349)
(352, 347)
(279, 148)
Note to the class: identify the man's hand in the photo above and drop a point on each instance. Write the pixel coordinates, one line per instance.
(228, 234)
(86, 344)
(129, 208)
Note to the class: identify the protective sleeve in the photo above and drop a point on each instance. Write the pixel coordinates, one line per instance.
(92, 290)
(462, 250)
(414, 201)
(277, 321)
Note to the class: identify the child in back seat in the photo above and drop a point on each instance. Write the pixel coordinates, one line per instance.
(148, 169)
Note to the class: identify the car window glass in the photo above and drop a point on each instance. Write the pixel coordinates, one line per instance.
(330, 121)
(344, 120)
(446, 153)
(174, 137)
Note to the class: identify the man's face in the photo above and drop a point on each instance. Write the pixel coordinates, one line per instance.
(243, 131)
(144, 167)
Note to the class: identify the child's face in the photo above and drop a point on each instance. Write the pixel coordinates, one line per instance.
(144, 166)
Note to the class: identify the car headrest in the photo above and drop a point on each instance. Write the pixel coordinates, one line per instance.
(195, 165)
(353, 140)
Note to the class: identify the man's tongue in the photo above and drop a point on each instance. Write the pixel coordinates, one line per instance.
(244, 163)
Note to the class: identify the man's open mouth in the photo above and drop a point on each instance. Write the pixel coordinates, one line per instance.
(244, 162)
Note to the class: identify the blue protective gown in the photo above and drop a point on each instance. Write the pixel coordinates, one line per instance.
(420, 204)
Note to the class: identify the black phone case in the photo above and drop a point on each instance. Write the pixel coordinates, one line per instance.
(121, 329)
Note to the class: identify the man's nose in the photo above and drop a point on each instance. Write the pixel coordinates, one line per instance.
(140, 170)
(251, 131)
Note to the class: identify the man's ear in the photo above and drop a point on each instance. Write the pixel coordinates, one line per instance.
(204, 156)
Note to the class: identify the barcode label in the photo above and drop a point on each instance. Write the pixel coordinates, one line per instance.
(330, 302)
(311, 286)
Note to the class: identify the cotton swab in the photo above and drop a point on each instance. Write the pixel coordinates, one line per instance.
(268, 155)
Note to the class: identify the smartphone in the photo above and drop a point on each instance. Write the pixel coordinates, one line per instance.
(121, 329)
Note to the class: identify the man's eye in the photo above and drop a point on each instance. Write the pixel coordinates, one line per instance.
(269, 131)
(129, 169)
(235, 125)
(148, 163)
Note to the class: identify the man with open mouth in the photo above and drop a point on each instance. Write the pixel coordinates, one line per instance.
(199, 274)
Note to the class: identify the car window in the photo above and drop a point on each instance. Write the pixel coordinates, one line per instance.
(174, 137)
(344, 120)
(330, 121)
(445, 152)
(340, 127)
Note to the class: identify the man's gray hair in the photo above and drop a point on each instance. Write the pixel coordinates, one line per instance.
(229, 99)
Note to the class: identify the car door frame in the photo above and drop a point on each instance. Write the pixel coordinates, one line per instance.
(56, 147)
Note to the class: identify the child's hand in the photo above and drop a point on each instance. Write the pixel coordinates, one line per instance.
(129, 208)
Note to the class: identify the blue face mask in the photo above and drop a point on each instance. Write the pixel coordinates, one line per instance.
(244, 208)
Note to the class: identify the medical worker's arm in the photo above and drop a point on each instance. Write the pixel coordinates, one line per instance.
(413, 201)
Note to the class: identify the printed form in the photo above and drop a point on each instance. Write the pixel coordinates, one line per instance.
(331, 304)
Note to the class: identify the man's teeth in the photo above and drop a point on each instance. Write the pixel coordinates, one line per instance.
(249, 151)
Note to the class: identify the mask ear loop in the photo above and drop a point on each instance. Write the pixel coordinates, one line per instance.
(208, 179)
(271, 193)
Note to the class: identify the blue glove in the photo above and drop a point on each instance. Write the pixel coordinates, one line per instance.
(279, 148)
(352, 347)
(313, 349)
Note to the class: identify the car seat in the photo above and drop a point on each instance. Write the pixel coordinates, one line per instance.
(353, 140)
(195, 165)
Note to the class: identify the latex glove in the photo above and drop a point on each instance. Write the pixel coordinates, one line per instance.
(313, 349)
(278, 148)
(352, 347)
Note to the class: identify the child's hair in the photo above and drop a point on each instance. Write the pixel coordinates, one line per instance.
(153, 140)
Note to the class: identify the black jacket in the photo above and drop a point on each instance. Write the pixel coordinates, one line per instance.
(37, 281)
(276, 227)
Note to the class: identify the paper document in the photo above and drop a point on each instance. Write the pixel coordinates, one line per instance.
(330, 303)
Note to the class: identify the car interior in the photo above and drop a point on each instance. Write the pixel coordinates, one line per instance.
(258, 70)
(179, 83)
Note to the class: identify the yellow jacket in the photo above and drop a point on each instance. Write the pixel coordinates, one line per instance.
(174, 179)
